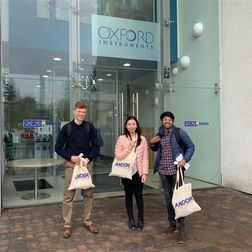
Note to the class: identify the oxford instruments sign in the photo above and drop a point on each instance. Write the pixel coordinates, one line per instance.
(125, 38)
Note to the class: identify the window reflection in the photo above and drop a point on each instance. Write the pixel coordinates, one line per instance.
(39, 89)
(53, 9)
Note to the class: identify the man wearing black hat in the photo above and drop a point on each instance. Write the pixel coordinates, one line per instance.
(168, 148)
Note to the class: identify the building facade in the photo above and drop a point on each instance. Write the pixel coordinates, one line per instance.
(126, 57)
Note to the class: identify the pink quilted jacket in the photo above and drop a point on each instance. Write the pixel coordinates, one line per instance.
(123, 148)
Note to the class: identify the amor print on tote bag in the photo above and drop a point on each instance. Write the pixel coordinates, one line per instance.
(182, 200)
(81, 179)
(123, 168)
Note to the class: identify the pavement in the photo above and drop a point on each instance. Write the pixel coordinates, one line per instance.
(223, 224)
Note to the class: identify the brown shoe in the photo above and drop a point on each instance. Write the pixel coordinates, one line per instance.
(181, 236)
(67, 232)
(91, 229)
(171, 229)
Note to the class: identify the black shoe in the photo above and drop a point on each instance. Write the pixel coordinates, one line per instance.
(171, 229)
(140, 224)
(131, 224)
(181, 235)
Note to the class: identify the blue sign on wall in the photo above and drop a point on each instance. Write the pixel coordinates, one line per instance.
(190, 123)
(32, 123)
(194, 123)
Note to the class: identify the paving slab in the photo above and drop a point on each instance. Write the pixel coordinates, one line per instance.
(223, 224)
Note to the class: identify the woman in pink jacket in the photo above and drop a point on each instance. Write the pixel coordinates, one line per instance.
(132, 138)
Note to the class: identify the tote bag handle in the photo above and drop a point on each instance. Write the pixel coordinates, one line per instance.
(81, 161)
(179, 178)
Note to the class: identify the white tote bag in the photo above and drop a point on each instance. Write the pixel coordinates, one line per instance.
(182, 200)
(123, 168)
(81, 179)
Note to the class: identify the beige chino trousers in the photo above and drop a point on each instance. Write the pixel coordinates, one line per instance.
(69, 197)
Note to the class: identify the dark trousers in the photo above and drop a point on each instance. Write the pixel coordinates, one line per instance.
(168, 183)
(134, 186)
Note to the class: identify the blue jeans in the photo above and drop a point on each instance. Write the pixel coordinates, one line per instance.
(168, 183)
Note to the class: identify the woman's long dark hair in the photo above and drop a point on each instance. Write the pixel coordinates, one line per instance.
(138, 130)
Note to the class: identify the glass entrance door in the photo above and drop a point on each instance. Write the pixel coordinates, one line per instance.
(116, 60)
(137, 96)
(101, 96)
(112, 96)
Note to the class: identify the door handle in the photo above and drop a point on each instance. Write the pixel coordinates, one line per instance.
(135, 104)
(121, 110)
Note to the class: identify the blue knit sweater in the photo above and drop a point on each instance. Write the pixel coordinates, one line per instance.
(77, 139)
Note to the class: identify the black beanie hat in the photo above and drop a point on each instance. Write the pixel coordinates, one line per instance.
(168, 114)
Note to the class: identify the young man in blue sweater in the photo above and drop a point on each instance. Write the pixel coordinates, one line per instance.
(77, 136)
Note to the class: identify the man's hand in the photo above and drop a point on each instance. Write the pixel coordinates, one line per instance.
(76, 159)
(181, 163)
(155, 139)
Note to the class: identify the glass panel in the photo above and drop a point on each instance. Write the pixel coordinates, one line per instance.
(32, 119)
(116, 90)
(108, 111)
(195, 98)
(203, 128)
(101, 97)
(138, 94)
(44, 73)
(132, 9)
(35, 84)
